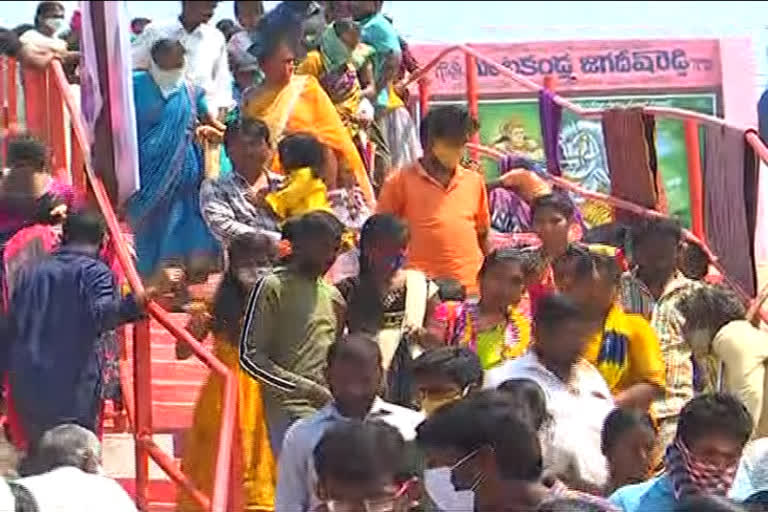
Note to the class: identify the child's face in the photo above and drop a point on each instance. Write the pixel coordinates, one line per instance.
(351, 39)
(552, 228)
(503, 284)
(631, 457)
(316, 255)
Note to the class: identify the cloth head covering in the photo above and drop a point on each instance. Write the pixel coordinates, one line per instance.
(332, 49)
(692, 476)
(752, 474)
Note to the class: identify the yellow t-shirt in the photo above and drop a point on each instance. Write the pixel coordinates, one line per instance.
(302, 193)
(626, 351)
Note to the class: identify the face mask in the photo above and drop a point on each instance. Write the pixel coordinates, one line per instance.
(479, 477)
(449, 156)
(55, 25)
(437, 482)
(168, 80)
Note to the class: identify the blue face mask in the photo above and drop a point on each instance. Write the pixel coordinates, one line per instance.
(398, 262)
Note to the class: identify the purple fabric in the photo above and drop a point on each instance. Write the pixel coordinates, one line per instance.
(550, 117)
(727, 206)
(509, 213)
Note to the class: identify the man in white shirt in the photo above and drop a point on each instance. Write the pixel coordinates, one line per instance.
(66, 465)
(354, 376)
(207, 65)
(578, 399)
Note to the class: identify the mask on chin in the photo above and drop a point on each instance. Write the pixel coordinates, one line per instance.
(449, 156)
(167, 80)
(437, 482)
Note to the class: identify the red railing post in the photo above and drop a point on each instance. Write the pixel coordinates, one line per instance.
(12, 75)
(142, 392)
(57, 139)
(472, 104)
(423, 97)
(695, 184)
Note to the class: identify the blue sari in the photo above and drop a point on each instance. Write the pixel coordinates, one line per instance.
(165, 213)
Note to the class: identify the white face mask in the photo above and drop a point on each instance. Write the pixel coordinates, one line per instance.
(168, 80)
(55, 25)
(437, 482)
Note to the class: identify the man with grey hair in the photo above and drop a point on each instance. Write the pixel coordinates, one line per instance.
(66, 469)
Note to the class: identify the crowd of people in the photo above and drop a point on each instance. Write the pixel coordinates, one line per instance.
(390, 355)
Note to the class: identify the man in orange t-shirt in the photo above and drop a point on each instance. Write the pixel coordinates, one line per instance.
(444, 204)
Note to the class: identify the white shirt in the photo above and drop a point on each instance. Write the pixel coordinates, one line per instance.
(207, 65)
(578, 411)
(41, 41)
(68, 489)
(296, 477)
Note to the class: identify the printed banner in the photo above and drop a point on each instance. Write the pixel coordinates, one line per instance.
(581, 65)
(513, 126)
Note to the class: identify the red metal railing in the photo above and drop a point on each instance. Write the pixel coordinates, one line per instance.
(49, 124)
(139, 402)
(690, 119)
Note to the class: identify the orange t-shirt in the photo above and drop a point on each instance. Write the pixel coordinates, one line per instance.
(445, 223)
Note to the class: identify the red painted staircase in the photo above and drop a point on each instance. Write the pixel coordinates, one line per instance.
(175, 386)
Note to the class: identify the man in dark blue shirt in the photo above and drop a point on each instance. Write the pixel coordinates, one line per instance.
(58, 309)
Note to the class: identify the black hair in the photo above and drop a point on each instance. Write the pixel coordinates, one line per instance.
(164, 46)
(569, 505)
(359, 348)
(9, 43)
(359, 452)
(447, 121)
(231, 296)
(271, 34)
(487, 419)
(710, 307)
(449, 288)
(299, 150)
(714, 412)
(255, 2)
(529, 399)
(614, 234)
(653, 229)
(707, 503)
(500, 257)
(45, 8)
(227, 27)
(313, 225)
(255, 128)
(86, 227)
(459, 364)
(26, 149)
(364, 301)
(345, 25)
(618, 422)
(554, 310)
(556, 201)
(139, 20)
(695, 264)
(577, 261)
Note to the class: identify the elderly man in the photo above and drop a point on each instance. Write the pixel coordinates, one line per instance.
(65, 469)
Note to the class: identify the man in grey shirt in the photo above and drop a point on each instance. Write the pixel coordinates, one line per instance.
(233, 205)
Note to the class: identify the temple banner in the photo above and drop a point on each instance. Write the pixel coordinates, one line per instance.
(513, 126)
(581, 65)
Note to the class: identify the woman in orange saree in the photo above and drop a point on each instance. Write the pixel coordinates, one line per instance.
(290, 103)
(252, 455)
